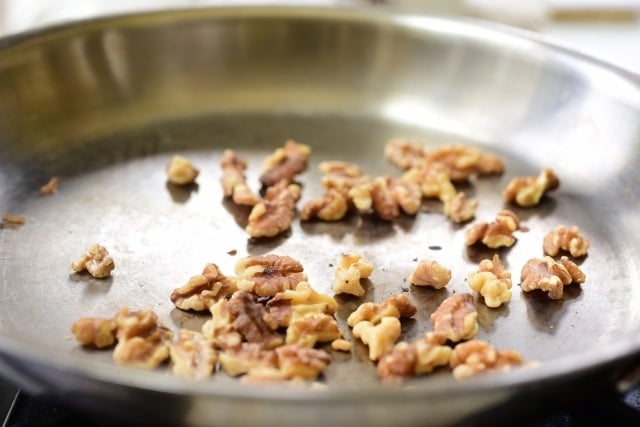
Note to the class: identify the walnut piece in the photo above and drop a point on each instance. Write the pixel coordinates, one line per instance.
(95, 332)
(434, 181)
(404, 153)
(456, 318)
(245, 357)
(550, 275)
(379, 338)
(340, 168)
(566, 239)
(51, 187)
(341, 344)
(527, 191)
(203, 290)
(462, 161)
(296, 303)
(476, 357)
(430, 273)
(13, 219)
(297, 362)
(395, 306)
(234, 182)
(460, 208)
(383, 201)
(96, 261)
(495, 234)
(142, 343)
(192, 356)
(181, 172)
(266, 275)
(312, 328)
(274, 214)
(285, 163)
(492, 281)
(421, 356)
(350, 270)
(332, 206)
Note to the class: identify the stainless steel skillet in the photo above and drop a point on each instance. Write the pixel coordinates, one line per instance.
(103, 105)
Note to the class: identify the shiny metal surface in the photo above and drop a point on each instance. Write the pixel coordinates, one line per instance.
(104, 104)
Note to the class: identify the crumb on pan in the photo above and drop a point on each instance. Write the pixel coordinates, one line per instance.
(51, 187)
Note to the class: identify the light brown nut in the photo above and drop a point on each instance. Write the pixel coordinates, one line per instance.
(285, 163)
(341, 344)
(266, 275)
(51, 187)
(96, 261)
(274, 214)
(460, 208)
(528, 191)
(549, 275)
(476, 357)
(246, 357)
(142, 343)
(379, 338)
(461, 161)
(13, 219)
(299, 302)
(430, 273)
(490, 164)
(312, 328)
(382, 199)
(135, 323)
(433, 180)
(95, 332)
(404, 153)
(298, 362)
(340, 168)
(204, 289)
(498, 233)
(421, 356)
(233, 181)
(395, 306)
(181, 172)
(566, 239)
(350, 270)
(456, 318)
(492, 281)
(192, 356)
(407, 195)
(330, 207)
(355, 189)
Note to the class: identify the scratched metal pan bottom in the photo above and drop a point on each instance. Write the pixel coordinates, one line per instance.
(104, 104)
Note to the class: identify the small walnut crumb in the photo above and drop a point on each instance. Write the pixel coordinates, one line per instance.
(51, 187)
(380, 338)
(266, 275)
(476, 357)
(419, 357)
(204, 289)
(246, 357)
(142, 343)
(340, 168)
(395, 306)
(276, 212)
(285, 163)
(192, 356)
(527, 191)
(297, 362)
(13, 219)
(566, 239)
(492, 281)
(303, 300)
(330, 207)
(350, 270)
(96, 261)
(495, 234)
(181, 172)
(550, 275)
(95, 332)
(456, 318)
(430, 273)
(312, 328)
(341, 344)
(233, 181)
(460, 208)
(404, 153)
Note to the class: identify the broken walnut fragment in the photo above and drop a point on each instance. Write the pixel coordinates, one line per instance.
(275, 213)
(460, 208)
(13, 219)
(298, 302)
(266, 275)
(233, 181)
(285, 163)
(550, 276)
(332, 206)
(95, 332)
(566, 239)
(419, 357)
(456, 318)
(395, 306)
(405, 153)
(350, 270)
(495, 234)
(492, 281)
(430, 273)
(379, 338)
(51, 187)
(142, 343)
(528, 190)
(477, 357)
(180, 171)
(192, 356)
(312, 328)
(245, 357)
(96, 261)
(201, 291)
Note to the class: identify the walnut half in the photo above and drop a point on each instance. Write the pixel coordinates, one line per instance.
(95, 332)
(456, 318)
(495, 234)
(566, 239)
(276, 212)
(285, 163)
(419, 357)
(203, 290)
(550, 275)
(430, 273)
(476, 357)
(527, 191)
(266, 275)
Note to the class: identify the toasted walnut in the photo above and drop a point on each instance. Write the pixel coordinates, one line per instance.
(383, 201)
(192, 356)
(276, 212)
(13, 219)
(433, 180)
(203, 290)
(492, 281)
(404, 153)
(490, 164)
(476, 357)
(495, 234)
(181, 172)
(341, 344)
(527, 191)
(297, 362)
(340, 168)
(461, 161)
(285, 163)
(380, 338)
(246, 357)
(407, 195)
(266, 275)
(51, 187)
(233, 181)
(95, 332)
(96, 261)
(299, 302)
(460, 208)
(350, 270)
(419, 357)
(456, 318)
(550, 275)
(241, 318)
(395, 306)
(566, 239)
(142, 343)
(430, 273)
(309, 329)
(355, 189)
(330, 207)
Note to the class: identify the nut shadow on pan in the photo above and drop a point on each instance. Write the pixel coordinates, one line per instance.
(239, 213)
(92, 286)
(543, 313)
(181, 193)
